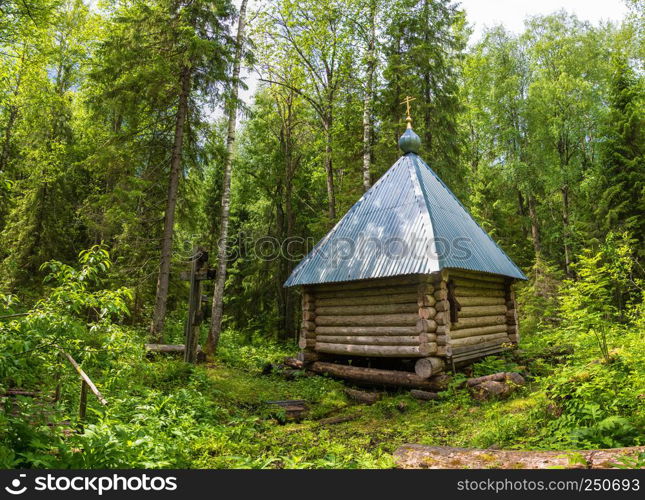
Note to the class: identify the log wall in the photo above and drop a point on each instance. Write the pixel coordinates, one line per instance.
(487, 314)
(410, 317)
(392, 317)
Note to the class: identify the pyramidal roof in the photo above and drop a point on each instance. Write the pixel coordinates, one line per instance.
(409, 222)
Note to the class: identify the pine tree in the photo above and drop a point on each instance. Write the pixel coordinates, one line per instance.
(621, 201)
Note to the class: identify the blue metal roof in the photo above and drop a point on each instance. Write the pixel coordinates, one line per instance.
(409, 222)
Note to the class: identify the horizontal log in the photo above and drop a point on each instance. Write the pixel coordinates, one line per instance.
(419, 351)
(401, 319)
(462, 291)
(480, 330)
(514, 339)
(480, 301)
(512, 329)
(407, 297)
(377, 339)
(475, 283)
(426, 300)
(360, 310)
(442, 318)
(425, 288)
(474, 311)
(425, 325)
(308, 334)
(307, 357)
(444, 350)
(308, 315)
(305, 343)
(467, 274)
(480, 339)
(482, 345)
(511, 317)
(442, 306)
(468, 357)
(380, 377)
(366, 330)
(308, 325)
(427, 367)
(442, 339)
(442, 330)
(427, 312)
(478, 321)
(510, 305)
(411, 279)
(441, 294)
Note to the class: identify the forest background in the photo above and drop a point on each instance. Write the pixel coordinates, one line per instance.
(118, 142)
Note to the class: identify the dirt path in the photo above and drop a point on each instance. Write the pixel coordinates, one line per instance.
(416, 456)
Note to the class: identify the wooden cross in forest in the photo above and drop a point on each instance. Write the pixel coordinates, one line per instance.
(407, 102)
(199, 272)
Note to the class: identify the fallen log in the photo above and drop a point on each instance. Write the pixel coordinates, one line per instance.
(497, 377)
(423, 395)
(427, 367)
(416, 456)
(363, 397)
(293, 363)
(20, 392)
(381, 377)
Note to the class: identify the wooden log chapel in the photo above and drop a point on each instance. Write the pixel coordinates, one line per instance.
(406, 281)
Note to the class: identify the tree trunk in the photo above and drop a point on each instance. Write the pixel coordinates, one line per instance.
(535, 230)
(329, 169)
(13, 115)
(222, 248)
(367, 105)
(163, 279)
(565, 228)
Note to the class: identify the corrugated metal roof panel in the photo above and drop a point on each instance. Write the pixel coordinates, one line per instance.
(409, 222)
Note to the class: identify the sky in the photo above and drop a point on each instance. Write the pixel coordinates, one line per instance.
(511, 13)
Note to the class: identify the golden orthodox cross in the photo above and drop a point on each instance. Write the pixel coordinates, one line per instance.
(407, 102)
